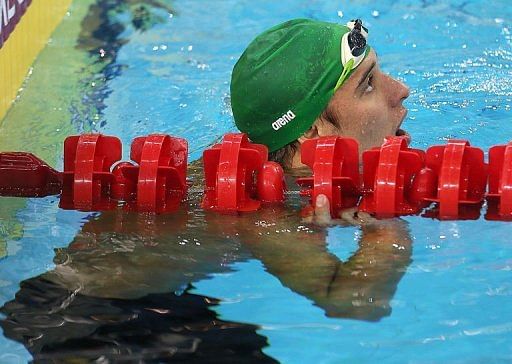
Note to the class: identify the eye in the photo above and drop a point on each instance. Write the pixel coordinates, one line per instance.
(369, 84)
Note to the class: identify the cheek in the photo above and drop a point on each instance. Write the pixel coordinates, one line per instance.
(366, 121)
(370, 126)
(378, 112)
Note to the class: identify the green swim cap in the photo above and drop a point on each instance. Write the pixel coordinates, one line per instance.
(285, 79)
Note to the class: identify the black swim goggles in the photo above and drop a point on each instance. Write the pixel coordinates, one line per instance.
(353, 49)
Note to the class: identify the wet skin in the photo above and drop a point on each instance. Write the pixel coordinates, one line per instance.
(369, 106)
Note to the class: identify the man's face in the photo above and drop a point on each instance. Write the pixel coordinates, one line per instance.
(368, 107)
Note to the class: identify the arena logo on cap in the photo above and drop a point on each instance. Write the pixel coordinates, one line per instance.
(283, 120)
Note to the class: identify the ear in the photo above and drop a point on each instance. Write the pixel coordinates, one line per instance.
(312, 133)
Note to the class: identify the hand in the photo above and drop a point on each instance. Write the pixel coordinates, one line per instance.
(364, 219)
(359, 218)
(320, 214)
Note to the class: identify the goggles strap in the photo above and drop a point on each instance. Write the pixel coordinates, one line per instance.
(346, 70)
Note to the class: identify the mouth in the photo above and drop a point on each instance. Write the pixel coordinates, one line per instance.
(401, 132)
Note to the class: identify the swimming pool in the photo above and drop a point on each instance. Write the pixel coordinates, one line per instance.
(172, 75)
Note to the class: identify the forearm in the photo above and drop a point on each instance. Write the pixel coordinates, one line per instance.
(360, 288)
(366, 283)
(300, 262)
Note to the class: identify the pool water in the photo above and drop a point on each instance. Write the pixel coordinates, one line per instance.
(196, 286)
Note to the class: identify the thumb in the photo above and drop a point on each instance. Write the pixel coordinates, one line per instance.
(322, 210)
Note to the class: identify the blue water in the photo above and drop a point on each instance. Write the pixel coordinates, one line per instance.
(453, 303)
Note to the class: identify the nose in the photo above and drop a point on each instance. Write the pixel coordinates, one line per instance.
(398, 91)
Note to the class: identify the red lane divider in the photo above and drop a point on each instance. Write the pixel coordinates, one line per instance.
(87, 179)
(236, 172)
(158, 182)
(394, 179)
(335, 165)
(25, 175)
(500, 183)
(462, 179)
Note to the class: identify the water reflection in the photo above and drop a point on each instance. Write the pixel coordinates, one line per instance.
(10, 227)
(127, 255)
(59, 325)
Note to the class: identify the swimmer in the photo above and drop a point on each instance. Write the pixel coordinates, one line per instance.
(301, 80)
(304, 79)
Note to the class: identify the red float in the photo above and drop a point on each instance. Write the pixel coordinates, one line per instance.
(236, 172)
(394, 182)
(500, 183)
(87, 179)
(462, 178)
(335, 165)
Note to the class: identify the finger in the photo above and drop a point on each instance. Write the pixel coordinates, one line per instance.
(350, 216)
(355, 217)
(322, 210)
(365, 218)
